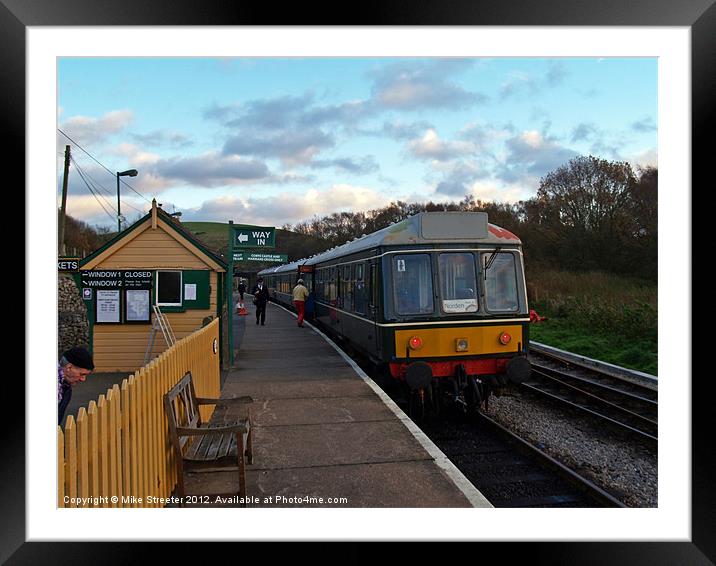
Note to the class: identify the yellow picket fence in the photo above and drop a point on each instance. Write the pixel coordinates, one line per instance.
(118, 450)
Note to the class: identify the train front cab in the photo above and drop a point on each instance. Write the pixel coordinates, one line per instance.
(456, 322)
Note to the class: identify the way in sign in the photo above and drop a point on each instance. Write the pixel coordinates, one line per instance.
(260, 237)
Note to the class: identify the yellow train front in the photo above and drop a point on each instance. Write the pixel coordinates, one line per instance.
(438, 299)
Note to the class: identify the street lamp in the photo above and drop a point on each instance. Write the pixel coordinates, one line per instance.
(128, 173)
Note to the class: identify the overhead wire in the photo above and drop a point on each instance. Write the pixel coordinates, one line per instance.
(103, 166)
(79, 170)
(105, 189)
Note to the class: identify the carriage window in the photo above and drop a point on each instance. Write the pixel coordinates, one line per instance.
(500, 282)
(359, 293)
(413, 284)
(458, 284)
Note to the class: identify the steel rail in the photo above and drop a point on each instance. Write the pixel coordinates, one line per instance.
(593, 397)
(580, 482)
(602, 386)
(596, 414)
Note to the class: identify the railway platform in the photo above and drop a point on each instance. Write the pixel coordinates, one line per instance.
(325, 435)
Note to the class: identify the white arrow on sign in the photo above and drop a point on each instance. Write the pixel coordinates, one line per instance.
(243, 238)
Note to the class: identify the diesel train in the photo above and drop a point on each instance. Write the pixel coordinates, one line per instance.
(438, 300)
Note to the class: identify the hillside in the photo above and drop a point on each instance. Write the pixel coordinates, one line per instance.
(215, 235)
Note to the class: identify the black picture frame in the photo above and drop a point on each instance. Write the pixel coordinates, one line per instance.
(698, 15)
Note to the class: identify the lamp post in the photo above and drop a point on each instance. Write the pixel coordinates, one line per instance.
(128, 173)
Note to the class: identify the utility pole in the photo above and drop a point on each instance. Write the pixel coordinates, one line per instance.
(64, 199)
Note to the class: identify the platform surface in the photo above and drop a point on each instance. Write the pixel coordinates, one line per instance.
(324, 435)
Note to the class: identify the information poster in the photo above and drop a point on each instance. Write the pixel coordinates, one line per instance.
(107, 306)
(190, 292)
(137, 302)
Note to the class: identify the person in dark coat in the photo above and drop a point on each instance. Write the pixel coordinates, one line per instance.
(242, 290)
(74, 367)
(261, 296)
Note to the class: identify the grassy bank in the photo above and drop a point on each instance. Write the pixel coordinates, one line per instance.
(599, 315)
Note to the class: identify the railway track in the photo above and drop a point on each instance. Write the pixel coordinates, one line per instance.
(625, 403)
(509, 471)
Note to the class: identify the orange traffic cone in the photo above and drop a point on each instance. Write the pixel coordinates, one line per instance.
(241, 309)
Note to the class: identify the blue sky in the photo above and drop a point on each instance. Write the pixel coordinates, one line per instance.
(271, 141)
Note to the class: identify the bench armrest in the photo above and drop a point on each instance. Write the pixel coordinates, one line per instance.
(224, 401)
(237, 427)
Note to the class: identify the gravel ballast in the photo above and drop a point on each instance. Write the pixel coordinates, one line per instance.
(624, 468)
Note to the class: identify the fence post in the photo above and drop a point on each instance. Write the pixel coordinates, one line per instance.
(126, 487)
(60, 467)
(83, 453)
(94, 465)
(103, 448)
(71, 460)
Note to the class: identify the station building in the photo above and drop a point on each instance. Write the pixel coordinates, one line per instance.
(155, 261)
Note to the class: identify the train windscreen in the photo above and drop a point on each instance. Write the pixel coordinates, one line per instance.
(458, 283)
(412, 284)
(500, 282)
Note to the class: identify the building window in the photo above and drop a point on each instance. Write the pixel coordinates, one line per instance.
(169, 288)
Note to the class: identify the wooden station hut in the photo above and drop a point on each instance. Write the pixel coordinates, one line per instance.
(153, 262)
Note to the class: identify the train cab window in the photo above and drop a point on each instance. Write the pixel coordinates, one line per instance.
(500, 281)
(458, 283)
(412, 284)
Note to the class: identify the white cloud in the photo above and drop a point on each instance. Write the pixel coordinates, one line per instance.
(430, 146)
(648, 158)
(289, 207)
(498, 192)
(89, 130)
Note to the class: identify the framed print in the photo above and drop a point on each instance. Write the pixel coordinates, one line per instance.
(29, 40)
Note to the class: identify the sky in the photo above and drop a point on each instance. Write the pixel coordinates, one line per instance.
(275, 141)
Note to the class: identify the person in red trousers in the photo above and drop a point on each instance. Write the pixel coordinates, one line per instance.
(300, 295)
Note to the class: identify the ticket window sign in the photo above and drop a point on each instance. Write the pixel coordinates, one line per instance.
(120, 296)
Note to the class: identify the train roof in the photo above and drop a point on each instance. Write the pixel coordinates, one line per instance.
(421, 228)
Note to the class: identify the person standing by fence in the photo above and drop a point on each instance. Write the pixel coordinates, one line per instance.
(74, 366)
(300, 296)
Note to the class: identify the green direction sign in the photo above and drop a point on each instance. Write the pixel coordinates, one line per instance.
(254, 237)
(258, 256)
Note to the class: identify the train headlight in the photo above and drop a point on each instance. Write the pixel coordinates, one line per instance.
(505, 338)
(462, 345)
(415, 343)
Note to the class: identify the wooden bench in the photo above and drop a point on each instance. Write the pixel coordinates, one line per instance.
(208, 447)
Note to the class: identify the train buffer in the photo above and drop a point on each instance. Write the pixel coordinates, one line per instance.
(325, 435)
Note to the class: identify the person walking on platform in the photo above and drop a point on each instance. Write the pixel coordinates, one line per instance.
(300, 296)
(261, 296)
(242, 290)
(74, 366)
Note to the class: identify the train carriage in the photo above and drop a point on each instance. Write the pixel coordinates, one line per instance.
(439, 298)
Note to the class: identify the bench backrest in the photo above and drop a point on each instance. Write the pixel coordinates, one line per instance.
(181, 408)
